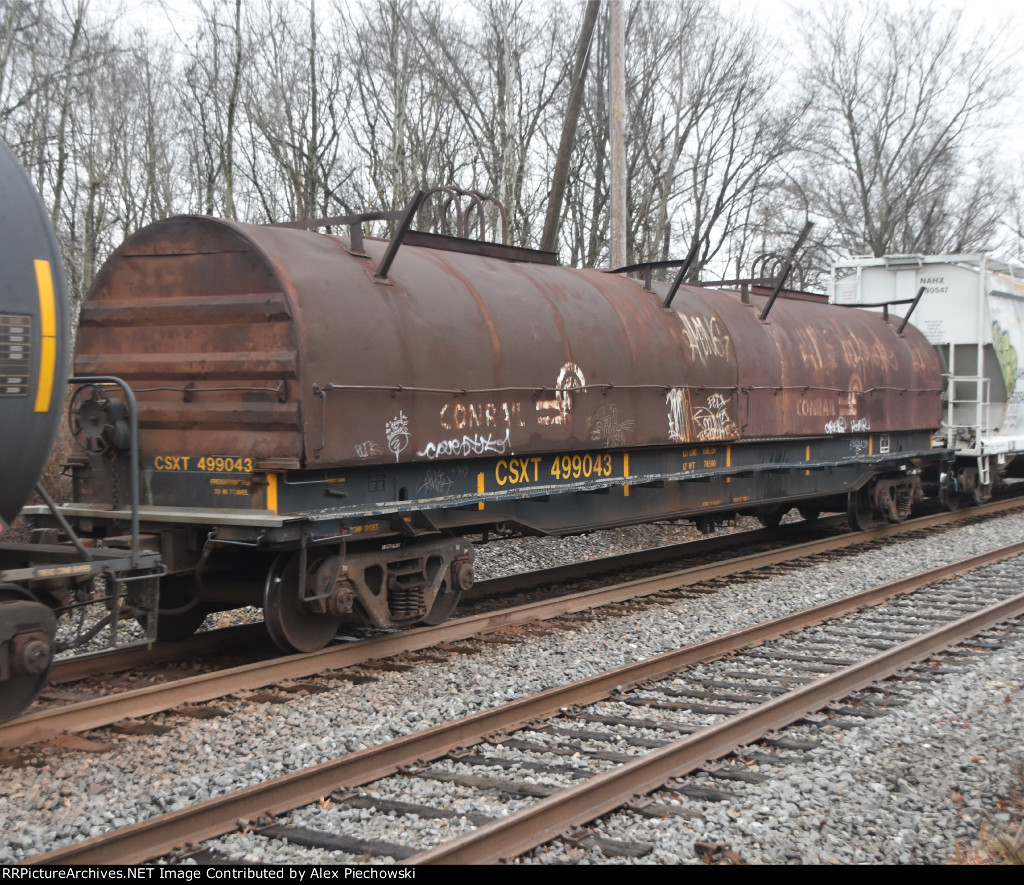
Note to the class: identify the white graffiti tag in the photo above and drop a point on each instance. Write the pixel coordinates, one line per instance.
(837, 426)
(477, 444)
(397, 430)
(368, 449)
(440, 482)
(713, 421)
(677, 402)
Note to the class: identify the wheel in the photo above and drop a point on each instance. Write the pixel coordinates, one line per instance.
(460, 580)
(973, 491)
(771, 518)
(446, 602)
(859, 510)
(291, 623)
(29, 651)
(949, 493)
(809, 513)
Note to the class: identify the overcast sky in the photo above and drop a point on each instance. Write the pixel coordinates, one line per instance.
(155, 15)
(1002, 17)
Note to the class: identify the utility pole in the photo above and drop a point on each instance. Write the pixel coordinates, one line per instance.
(617, 129)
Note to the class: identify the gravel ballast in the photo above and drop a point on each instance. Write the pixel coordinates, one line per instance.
(903, 788)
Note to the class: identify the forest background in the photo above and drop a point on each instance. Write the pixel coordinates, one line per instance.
(893, 127)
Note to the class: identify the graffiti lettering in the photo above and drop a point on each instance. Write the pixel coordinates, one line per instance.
(816, 350)
(397, 431)
(705, 337)
(678, 401)
(440, 482)
(570, 378)
(861, 425)
(860, 355)
(713, 421)
(468, 445)
(465, 416)
(837, 426)
(368, 449)
(604, 425)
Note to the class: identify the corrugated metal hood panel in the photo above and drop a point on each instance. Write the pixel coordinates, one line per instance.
(192, 315)
(459, 354)
(812, 369)
(462, 354)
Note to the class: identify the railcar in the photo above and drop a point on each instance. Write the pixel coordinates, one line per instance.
(40, 579)
(325, 419)
(970, 307)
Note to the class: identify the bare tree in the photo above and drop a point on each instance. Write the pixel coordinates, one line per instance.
(295, 105)
(145, 183)
(504, 74)
(208, 89)
(380, 47)
(704, 137)
(898, 98)
(23, 72)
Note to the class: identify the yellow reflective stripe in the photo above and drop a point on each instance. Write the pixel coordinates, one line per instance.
(272, 492)
(480, 489)
(48, 331)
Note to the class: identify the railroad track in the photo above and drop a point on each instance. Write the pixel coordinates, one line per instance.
(114, 708)
(561, 758)
(254, 636)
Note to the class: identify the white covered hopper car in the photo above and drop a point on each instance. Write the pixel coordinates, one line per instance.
(971, 309)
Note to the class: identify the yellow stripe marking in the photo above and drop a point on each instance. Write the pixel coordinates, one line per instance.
(48, 332)
(272, 492)
(480, 489)
(808, 456)
(871, 445)
(728, 456)
(625, 472)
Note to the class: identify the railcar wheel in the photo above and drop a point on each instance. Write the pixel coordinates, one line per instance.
(27, 649)
(291, 623)
(949, 493)
(973, 492)
(772, 517)
(809, 513)
(860, 511)
(446, 602)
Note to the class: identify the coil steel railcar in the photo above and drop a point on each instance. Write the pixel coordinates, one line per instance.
(324, 418)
